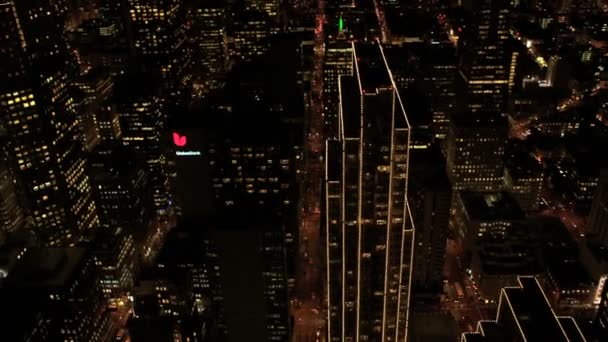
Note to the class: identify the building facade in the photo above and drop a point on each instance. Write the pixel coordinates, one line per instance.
(41, 125)
(475, 151)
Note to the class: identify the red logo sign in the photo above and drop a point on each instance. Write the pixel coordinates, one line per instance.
(179, 140)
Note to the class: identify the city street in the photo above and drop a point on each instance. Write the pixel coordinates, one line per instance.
(461, 300)
(307, 302)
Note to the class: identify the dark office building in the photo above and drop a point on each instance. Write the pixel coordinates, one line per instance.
(143, 117)
(430, 196)
(475, 151)
(39, 117)
(486, 65)
(524, 314)
(205, 265)
(122, 187)
(258, 311)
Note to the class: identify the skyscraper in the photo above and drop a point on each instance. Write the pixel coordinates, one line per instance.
(156, 28)
(39, 119)
(143, 118)
(209, 30)
(369, 234)
(122, 188)
(157, 35)
(475, 151)
(250, 33)
(485, 65)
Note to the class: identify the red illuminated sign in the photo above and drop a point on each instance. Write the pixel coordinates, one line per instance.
(179, 140)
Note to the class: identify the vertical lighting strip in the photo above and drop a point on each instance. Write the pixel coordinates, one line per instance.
(340, 111)
(409, 292)
(359, 195)
(343, 225)
(390, 216)
(327, 226)
(343, 209)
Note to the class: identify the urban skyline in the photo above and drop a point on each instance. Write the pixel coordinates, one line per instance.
(303, 170)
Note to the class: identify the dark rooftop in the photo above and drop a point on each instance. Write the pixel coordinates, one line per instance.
(46, 267)
(478, 119)
(371, 68)
(535, 316)
(491, 206)
(569, 274)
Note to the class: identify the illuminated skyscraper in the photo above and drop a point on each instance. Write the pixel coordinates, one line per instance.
(39, 120)
(156, 27)
(158, 34)
(369, 233)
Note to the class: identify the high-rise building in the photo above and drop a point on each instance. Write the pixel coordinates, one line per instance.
(524, 176)
(475, 151)
(369, 233)
(270, 7)
(12, 216)
(108, 123)
(486, 65)
(39, 120)
(598, 217)
(158, 35)
(430, 195)
(209, 31)
(338, 61)
(96, 87)
(428, 72)
(203, 268)
(115, 259)
(121, 184)
(250, 33)
(157, 28)
(524, 314)
(257, 237)
(142, 115)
